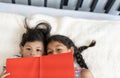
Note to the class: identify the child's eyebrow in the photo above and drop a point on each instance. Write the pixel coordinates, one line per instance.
(27, 45)
(39, 47)
(59, 46)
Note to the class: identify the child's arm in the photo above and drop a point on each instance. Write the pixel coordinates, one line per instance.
(4, 74)
(85, 73)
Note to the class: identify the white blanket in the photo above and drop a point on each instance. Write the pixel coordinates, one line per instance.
(102, 59)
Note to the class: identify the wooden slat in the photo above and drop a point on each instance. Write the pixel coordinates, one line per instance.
(61, 4)
(13, 1)
(29, 2)
(109, 5)
(93, 5)
(79, 4)
(65, 2)
(45, 3)
(118, 8)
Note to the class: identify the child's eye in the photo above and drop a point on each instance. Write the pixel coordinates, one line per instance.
(28, 48)
(38, 50)
(49, 52)
(59, 50)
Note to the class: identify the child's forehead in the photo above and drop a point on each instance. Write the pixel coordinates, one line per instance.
(34, 42)
(56, 43)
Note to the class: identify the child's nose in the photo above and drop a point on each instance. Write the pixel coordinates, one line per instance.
(55, 52)
(33, 53)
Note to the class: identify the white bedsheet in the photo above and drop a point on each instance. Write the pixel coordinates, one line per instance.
(31, 10)
(102, 60)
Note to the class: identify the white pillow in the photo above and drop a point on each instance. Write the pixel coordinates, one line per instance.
(102, 59)
(11, 29)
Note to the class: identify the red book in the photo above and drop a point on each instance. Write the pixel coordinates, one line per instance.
(50, 66)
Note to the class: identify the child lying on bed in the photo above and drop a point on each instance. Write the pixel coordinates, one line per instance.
(61, 44)
(33, 42)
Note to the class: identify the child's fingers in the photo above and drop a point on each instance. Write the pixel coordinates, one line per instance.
(4, 71)
(5, 75)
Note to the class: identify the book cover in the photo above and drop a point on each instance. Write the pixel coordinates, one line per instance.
(50, 66)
